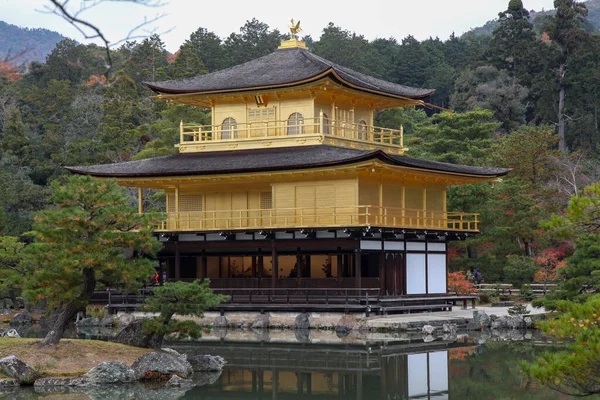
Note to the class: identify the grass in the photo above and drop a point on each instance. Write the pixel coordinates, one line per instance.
(70, 357)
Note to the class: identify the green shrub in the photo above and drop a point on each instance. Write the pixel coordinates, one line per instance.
(527, 293)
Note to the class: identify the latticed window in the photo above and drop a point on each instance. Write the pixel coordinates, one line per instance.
(266, 200)
(187, 203)
(295, 124)
(261, 115)
(362, 129)
(229, 129)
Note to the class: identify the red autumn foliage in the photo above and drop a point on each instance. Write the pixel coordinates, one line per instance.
(10, 70)
(459, 284)
(550, 261)
(96, 79)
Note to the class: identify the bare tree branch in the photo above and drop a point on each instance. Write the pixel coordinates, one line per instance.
(91, 31)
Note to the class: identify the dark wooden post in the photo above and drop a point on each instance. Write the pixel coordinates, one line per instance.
(275, 383)
(298, 267)
(254, 266)
(357, 267)
(177, 262)
(382, 273)
(340, 268)
(204, 265)
(275, 268)
(261, 264)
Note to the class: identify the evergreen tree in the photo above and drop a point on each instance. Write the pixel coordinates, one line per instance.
(178, 298)
(82, 240)
(122, 118)
(209, 48)
(187, 63)
(567, 38)
(513, 45)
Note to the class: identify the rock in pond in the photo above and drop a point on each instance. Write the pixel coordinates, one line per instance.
(133, 335)
(261, 322)
(110, 372)
(58, 382)
(303, 321)
(207, 363)
(17, 369)
(177, 381)
(21, 319)
(156, 366)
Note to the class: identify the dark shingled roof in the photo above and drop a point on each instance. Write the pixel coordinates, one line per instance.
(284, 67)
(276, 159)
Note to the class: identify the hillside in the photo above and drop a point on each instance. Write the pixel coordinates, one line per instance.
(593, 18)
(34, 43)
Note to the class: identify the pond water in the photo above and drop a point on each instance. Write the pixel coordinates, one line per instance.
(290, 367)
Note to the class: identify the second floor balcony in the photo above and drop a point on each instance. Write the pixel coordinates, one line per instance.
(293, 131)
(325, 217)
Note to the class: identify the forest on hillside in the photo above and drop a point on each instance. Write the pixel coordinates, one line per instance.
(525, 97)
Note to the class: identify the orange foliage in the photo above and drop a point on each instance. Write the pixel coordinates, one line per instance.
(96, 79)
(458, 283)
(172, 57)
(10, 71)
(461, 353)
(549, 262)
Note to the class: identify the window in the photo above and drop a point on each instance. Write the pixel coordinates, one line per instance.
(266, 200)
(229, 129)
(295, 124)
(187, 203)
(362, 129)
(326, 123)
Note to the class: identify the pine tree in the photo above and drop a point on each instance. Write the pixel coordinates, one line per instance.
(81, 241)
(187, 64)
(122, 118)
(181, 298)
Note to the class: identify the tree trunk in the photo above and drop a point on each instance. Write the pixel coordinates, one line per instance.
(68, 312)
(562, 144)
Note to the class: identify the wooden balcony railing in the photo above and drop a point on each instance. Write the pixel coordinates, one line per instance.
(324, 217)
(240, 132)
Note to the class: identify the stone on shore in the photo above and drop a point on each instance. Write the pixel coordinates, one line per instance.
(17, 369)
(261, 322)
(346, 324)
(110, 372)
(303, 321)
(12, 333)
(21, 319)
(158, 366)
(133, 335)
(428, 329)
(207, 363)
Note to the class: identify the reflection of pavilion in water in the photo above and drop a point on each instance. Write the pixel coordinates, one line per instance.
(259, 371)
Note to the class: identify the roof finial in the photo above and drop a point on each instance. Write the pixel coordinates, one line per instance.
(295, 29)
(293, 42)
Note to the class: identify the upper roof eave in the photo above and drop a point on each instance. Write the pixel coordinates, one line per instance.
(354, 158)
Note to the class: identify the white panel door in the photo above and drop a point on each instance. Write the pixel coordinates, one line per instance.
(417, 375)
(436, 273)
(415, 274)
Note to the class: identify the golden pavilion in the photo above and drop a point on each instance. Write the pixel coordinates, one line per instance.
(292, 195)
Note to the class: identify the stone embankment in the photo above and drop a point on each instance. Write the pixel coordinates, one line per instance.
(167, 366)
(483, 317)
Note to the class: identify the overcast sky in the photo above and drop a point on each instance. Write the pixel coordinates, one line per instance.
(380, 18)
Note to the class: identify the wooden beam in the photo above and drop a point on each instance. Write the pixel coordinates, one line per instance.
(357, 269)
(275, 268)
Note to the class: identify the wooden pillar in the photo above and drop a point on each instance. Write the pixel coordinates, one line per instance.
(140, 200)
(254, 266)
(275, 383)
(177, 262)
(359, 386)
(220, 267)
(261, 263)
(382, 273)
(177, 216)
(204, 265)
(357, 267)
(298, 267)
(340, 267)
(275, 268)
